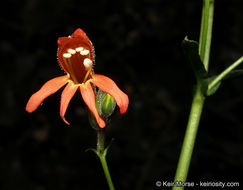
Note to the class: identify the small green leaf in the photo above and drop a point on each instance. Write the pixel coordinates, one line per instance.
(109, 145)
(92, 149)
(230, 75)
(212, 91)
(191, 50)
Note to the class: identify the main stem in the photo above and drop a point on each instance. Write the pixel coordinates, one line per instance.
(198, 97)
(101, 152)
(190, 137)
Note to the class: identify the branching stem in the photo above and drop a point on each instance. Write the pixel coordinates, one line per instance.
(198, 97)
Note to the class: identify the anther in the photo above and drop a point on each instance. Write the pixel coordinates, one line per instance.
(78, 49)
(87, 63)
(84, 52)
(72, 51)
(67, 55)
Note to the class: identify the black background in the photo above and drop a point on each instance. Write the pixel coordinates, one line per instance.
(138, 45)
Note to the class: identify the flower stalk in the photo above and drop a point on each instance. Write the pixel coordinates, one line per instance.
(100, 141)
(101, 153)
(105, 105)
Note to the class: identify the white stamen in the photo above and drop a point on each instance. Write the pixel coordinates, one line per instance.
(72, 51)
(78, 49)
(84, 52)
(67, 55)
(87, 63)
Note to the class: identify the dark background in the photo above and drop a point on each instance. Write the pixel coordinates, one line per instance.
(138, 45)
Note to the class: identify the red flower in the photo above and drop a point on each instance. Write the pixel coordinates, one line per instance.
(76, 57)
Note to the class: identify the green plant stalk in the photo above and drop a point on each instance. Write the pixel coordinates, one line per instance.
(101, 153)
(190, 137)
(225, 73)
(198, 97)
(100, 141)
(206, 31)
(106, 171)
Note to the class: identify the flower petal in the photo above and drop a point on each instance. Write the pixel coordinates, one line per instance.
(50, 87)
(89, 98)
(110, 87)
(66, 96)
(79, 33)
(62, 40)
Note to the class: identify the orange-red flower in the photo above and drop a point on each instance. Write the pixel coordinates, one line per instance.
(76, 57)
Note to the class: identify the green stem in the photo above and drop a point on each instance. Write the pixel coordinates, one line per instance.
(190, 137)
(225, 73)
(101, 153)
(206, 31)
(100, 141)
(106, 171)
(198, 97)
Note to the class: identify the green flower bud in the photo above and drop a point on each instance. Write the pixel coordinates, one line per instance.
(108, 105)
(105, 104)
